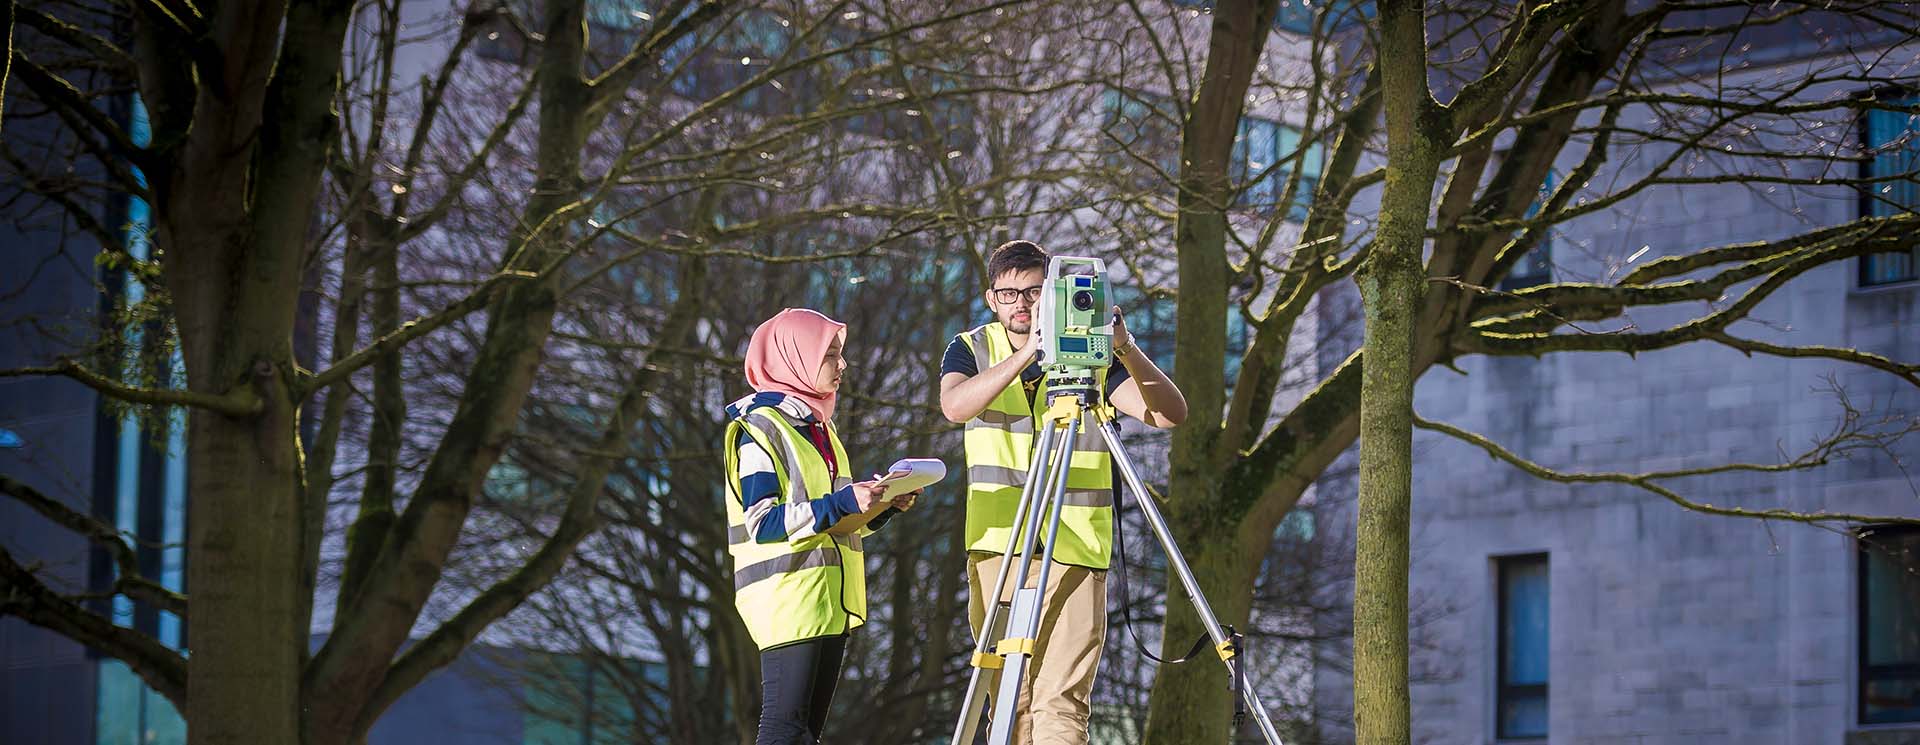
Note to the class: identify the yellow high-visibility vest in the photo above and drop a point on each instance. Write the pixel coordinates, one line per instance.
(999, 446)
(792, 590)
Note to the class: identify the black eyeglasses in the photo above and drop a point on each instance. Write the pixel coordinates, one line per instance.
(1007, 295)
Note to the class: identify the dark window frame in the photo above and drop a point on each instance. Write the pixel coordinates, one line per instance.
(1863, 275)
(1502, 689)
(1863, 671)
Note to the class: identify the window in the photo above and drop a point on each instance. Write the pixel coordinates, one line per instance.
(1297, 525)
(1536, 267)
(572, 700)
(501, 41)
(1264, 153)
(1521, 695)
(127, 711)
(619, 15)
(1892, 139)
(1146, 129)
(739, 51)
(1889, 625)
(1300, 16)
(1153, 323)
(142, 492)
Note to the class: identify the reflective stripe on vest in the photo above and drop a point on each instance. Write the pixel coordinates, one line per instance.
(999, 444)
(792, 590)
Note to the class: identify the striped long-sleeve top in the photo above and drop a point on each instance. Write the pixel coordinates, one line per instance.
(768, 520)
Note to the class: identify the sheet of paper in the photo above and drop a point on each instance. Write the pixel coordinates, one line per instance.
(908, 474)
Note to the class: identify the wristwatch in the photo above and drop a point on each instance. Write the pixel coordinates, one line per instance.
(1121, 353)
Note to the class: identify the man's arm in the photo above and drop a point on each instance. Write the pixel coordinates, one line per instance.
(1147, 394)
(963, 397)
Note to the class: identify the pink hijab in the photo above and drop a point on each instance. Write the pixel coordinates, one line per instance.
(785, 355)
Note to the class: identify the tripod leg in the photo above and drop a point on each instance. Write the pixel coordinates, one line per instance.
(1024, 629)
(1178, 564)
(1026, 513)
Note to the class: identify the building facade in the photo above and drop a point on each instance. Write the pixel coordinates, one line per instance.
(1602, 613)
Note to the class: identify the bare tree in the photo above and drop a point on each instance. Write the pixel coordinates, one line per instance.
(276, 152)
(480, 241)
(1521, 117)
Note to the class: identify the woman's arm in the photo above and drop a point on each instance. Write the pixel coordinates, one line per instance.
(769, 521)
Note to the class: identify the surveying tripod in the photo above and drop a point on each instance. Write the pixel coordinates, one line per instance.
(1046, 487)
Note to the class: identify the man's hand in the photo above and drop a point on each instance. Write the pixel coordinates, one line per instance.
(1031, 350)
(905, 501)
(1122, 338)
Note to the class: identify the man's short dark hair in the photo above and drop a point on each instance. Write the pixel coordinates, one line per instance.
(1015, 256)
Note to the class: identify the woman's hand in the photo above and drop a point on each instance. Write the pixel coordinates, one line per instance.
(870, 495)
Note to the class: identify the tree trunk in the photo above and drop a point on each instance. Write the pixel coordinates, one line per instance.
(233, 217)
(1191, 702)
(1391, 287)
(248, 632)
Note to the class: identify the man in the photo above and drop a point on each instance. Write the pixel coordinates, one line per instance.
(990, 381)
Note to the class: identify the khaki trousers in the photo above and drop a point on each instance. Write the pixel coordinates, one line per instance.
(1056, 698)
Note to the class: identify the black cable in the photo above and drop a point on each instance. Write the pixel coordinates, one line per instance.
(1235, 642)
(1126, 605)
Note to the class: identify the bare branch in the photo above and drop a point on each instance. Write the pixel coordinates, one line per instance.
(1522, 51)
(24, 596)
(129, 581)
(414, 329)
(240, 402)
(86, 120)
(615, 80)
(1817, 456)
(96, 47)
(1909, 373)
(1530, 334)
(581, 517)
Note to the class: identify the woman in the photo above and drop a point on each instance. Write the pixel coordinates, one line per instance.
(795, 521)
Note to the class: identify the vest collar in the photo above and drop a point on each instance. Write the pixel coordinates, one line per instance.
(794, 408)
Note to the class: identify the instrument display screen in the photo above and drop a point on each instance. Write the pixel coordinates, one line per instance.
(1073, 344)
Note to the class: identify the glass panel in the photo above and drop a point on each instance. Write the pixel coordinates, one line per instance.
(1297, 524)
(553, 695)
(126, 493)
(1239, 167)
(1300, 16)
(1891, 701)
(1893, 599)
(1287, 142)
(1524, 624)
(1302, 199)
(624, 15)
(1895, 139)
(1295, 16)
(1536, 267)
(129, 713)
(173, 557)
(1143, 127)
(1890, 633)
(1262, 152)
(1523, 643)
(1523, 715)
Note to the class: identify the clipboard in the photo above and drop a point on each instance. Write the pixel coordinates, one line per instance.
(911, 474)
